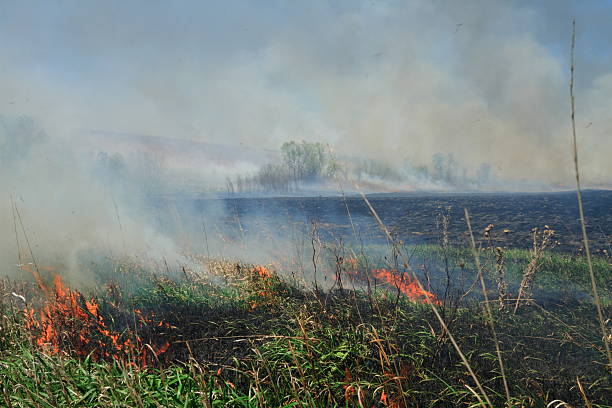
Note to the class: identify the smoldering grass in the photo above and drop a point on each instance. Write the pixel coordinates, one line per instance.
(433, 308)
(246, 338)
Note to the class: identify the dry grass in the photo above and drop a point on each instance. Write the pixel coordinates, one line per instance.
(585, 237)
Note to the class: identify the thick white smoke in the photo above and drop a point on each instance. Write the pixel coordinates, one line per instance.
(392, 80)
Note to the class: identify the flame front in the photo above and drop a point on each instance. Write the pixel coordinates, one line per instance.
(401, 281)
(405, 285)
(68, 322)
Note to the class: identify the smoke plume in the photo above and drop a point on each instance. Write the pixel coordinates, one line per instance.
(388, 80)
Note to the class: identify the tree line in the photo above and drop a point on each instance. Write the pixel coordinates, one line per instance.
(304, 163)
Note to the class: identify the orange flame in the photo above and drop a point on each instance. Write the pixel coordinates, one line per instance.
(405, 285)
(388, 401)
(402, 282)
(263, 286)
(384, 398)
(67, 321)
(262, 271)
(350, 268)
(349, 390)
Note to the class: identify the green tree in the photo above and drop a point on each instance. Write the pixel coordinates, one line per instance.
(307, 161)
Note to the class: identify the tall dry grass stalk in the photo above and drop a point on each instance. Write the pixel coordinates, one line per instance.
(541, 242)
(487, 305)
(585, 237)
(500, 275)
(35, 271)
(500, 271)
(464, 360)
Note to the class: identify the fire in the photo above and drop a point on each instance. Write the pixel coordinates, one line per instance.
(405, 285)
(349, 268)
(263, 285)
(400, 281)
(68, 322)
(387, 401)
(262, 271)
(349, 390)
(351, 263)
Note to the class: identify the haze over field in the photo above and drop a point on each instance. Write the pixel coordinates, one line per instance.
(484, 80)
(212, 90)
(286, 203)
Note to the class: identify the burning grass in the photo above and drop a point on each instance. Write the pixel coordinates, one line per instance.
(68, 323)
(242, 336)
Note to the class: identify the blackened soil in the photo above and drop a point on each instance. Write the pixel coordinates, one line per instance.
(416, 218)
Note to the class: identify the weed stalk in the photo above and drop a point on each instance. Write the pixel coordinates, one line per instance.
(585, 237)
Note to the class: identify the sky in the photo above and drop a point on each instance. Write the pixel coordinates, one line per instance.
(486, 80)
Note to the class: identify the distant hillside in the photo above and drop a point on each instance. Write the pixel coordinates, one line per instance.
(176, 152)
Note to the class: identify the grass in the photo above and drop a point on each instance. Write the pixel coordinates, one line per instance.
(246, 340)
(557, 271)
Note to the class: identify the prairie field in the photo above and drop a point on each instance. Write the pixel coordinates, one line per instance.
(306, 204)
(333, 318)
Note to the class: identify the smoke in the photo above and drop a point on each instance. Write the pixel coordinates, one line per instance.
(389, 80)
(484, 80)
(55, 210)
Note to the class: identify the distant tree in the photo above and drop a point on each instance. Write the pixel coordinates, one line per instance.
(444, 168)
(415, 172)
(438, 167)
(240, 183)
(422, 172)
(451, 175)
(333, 168)
(229, 186)
(274, 177)
(301, 162)
(464, 176)
(307, 161)
(378, 169)
(292, 157)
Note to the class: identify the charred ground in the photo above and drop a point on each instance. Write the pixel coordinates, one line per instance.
(414, 218)
(215, 331)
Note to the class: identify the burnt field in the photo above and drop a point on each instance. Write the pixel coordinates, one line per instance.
(267, 307)
(416, 218)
